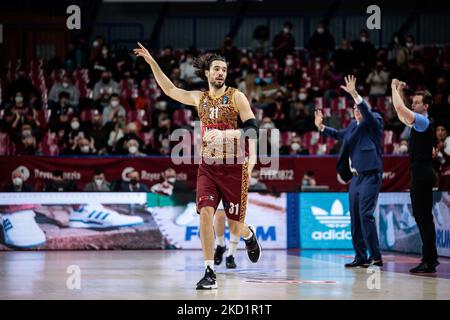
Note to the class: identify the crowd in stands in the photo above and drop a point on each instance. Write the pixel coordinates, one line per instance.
(97, 101)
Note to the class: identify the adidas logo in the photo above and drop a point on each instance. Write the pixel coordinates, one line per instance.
(7, 225)
(336, 218)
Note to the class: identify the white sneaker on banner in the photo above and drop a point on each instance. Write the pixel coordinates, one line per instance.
(21, 230)
(97, 216)
(188, 215)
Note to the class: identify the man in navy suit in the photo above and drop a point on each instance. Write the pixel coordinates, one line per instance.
(360, 161)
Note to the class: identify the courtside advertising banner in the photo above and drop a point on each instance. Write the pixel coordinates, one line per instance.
(324, 221)
(123, 220)
(397, 227)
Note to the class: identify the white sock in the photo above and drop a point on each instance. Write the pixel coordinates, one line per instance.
(234, 242)
(221, 241)
(209, 263)
(249, 236)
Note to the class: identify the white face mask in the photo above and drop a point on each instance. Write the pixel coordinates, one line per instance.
(253, 181)
(17, 181)
(363, 39)
(19, 99)
(302, 96)
(75, 125)
(85, 149)
(286, 30)
(409, 44)
(403, 148)
(114, 103)
(98, 182)
(320, 30)
(26, 133)
(104, 52)
(65, 84)
(295, 146)
(289, 62)
(172, 180)
(132, 149)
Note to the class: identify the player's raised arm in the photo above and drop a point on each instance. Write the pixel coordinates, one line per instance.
(191, 98)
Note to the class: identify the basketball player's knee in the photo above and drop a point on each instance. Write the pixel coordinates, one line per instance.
(206, 213)
(220, 215)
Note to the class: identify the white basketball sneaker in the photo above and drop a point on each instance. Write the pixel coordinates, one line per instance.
(97, 216)
(188, 215)
(21, 230)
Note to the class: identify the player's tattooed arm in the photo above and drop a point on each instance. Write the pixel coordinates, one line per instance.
(191, 98)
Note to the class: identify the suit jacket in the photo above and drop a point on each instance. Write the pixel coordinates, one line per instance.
(362, 143)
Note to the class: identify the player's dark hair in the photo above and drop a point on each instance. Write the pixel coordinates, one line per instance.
(427, 98)
(204, 62)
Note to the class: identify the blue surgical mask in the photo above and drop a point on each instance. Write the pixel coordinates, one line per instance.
(268, 80)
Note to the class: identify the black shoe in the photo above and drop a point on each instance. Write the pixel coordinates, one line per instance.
(424, 267)
(373, 263)
(230, 262)
(218, 254)
(357, 263)
(208, 281)
(252, 246)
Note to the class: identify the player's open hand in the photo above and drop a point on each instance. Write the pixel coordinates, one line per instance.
(143, 52)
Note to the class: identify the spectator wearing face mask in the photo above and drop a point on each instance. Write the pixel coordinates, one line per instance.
(29, 147)
(104, 89)
(412, 49)
(31, 95)
(291, 76)
(84, 147)
(378, 80)
(321, 43)
(98, 183)
(131, 132)
(309, 179)
(59, 110)
(100, 133)
(284, 42)
(74, 132)
(295, 148)
(18, 183)
(167, 186)
(133, 149)
(255, 185)
(113, 110)
(364, 52)
(133, 185)
(65, 85)
(402, 147)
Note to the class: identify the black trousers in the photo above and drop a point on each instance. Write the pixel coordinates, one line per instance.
(423, 179)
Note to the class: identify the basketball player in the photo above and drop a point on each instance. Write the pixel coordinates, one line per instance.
(222, 175)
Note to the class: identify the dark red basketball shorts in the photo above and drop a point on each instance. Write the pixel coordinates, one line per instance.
(226, 182)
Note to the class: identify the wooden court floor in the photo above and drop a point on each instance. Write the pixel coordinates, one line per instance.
(172, 275)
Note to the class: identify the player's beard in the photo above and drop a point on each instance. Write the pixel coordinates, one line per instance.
(216, 84)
